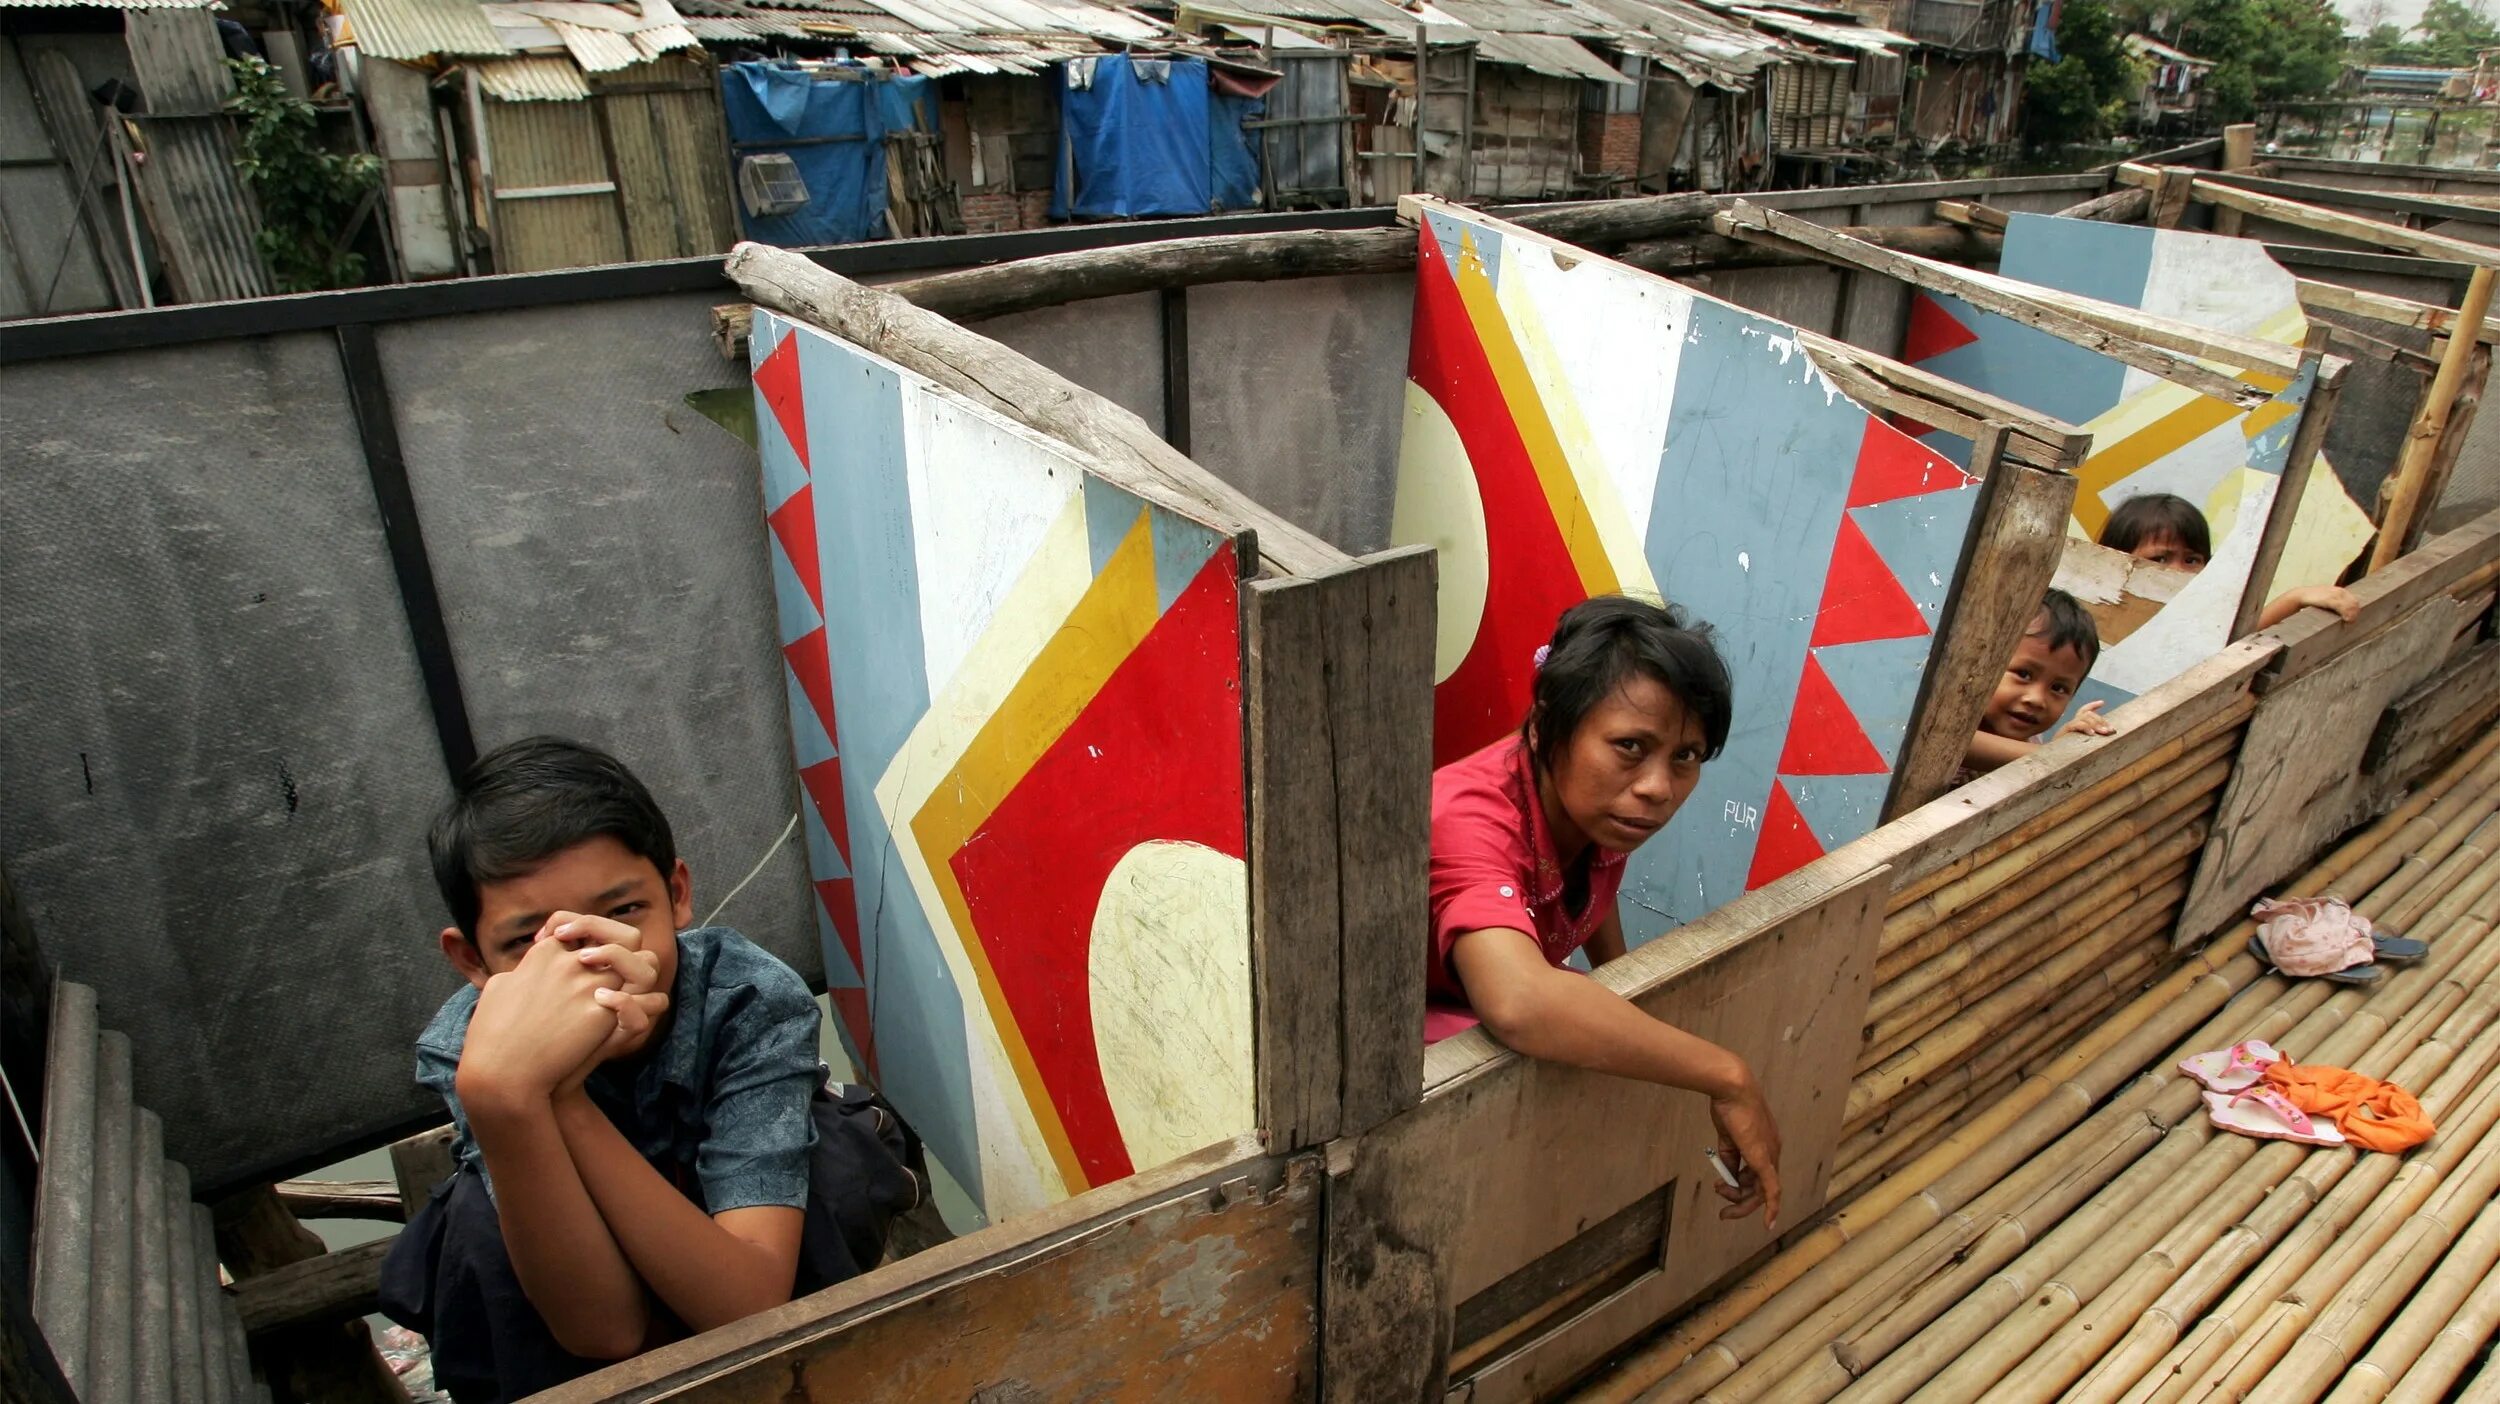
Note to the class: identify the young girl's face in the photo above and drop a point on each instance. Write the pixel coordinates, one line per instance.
(1634, 759)
(2169, 551)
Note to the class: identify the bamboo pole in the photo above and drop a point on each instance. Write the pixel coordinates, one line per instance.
(2433, 1302)
(2434, 1373)
(2422, 440)
(1711, 1344)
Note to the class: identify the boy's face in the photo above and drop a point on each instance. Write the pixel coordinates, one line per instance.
(598, 877)
(2037, 684)
(2167, 550)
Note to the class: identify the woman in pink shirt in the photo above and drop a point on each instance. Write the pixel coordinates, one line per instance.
(1529, 837)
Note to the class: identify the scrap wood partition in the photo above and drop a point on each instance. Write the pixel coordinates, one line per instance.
(1512, 1225)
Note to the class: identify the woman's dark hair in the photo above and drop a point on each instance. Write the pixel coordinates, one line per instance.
(2152, 516)
(2070, 625)
(1602, 643)
(524, 803)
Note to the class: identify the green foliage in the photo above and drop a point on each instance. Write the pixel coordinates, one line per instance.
(307, 192)
(2081, 97)
(2449, 35)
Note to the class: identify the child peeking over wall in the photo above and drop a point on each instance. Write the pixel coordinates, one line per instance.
(645, 1143)
(2049, 663)
(2167, 530)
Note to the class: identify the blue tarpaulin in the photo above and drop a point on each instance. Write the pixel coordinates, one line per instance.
(1141, 137)
(834, 131)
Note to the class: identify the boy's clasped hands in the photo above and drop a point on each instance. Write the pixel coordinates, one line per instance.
(584, 994)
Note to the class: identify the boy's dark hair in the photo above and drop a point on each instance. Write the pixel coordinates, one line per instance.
(523, 803)
(2070, 625)
(1600, 644)
(2151, 516)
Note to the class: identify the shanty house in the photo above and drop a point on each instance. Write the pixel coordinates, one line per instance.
(2173, 86)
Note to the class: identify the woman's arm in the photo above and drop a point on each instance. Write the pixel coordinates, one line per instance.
(1561, 1016)
(1606, 942)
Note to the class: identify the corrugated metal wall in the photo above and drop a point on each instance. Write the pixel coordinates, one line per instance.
(206, 223)
(640, 171)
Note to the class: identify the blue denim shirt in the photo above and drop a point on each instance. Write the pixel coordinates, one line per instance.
(722, 1092)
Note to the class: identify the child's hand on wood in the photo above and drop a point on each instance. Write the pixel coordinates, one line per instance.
(2089, 722)
(534, 1025)
(2345, 603)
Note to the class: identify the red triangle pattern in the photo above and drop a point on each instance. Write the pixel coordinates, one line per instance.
(813, 667)
(835, 893)
(777, 379)
(794, 526)
(1892, 465)
(851, 1006)
(1824, 737)
(1910, 426)
(824, 785)
(1787, 842)
(1862, 598)
(1933, 331)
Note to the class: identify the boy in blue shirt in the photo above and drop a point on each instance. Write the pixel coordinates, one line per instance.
(636, 1106)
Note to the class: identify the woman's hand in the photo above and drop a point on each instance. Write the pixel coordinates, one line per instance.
(1749, 1141)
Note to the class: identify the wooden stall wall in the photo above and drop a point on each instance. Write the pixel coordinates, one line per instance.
(1016, 702)
(1574, 428)
(2153, 435)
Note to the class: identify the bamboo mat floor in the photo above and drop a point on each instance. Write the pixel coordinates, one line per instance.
(2094, 1238)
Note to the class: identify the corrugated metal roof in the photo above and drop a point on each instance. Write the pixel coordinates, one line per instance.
(597, 50)
(410, 30)
(531, 78)
(1550, 54)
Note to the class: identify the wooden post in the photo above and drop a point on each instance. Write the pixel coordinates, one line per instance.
(2239, 152)
(1340, 718)
(2317, 413)
(2413, 467)
(326, 1360)
(2170, 196)
(2017, 534)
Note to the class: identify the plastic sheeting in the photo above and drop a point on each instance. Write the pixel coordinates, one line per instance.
(834, 130)
(1144, 137)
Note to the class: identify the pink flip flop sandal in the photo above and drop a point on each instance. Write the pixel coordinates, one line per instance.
(2234, 1068)
(2268, 1115)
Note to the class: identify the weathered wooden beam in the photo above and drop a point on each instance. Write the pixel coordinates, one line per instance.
(1996, 295)
(1975, 213)
(2426, 207)
(2308, 441)
(2171, 334)
(329, 1287)
(1882, 383)
(2385, 307)
(2007, 561)
(330, 1358)
(2239, 152)
(340, 1199)
(2122, 593)
(2124, 205)
(1340, 714)
(1124, 451)
(418, 1164)
(2324, 221)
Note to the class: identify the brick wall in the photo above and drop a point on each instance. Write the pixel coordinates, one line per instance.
(1610, 143)
(997, 211)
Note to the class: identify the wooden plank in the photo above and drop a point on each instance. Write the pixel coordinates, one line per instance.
(2459, 701)
(2124, 205)
(1881, 383)
(2383, 307)
(2317, 414)
(2325, 221)
(335, 1286)
(1492, 1171)
(341, 1199)
(2017, 535)
(2425, 207)
(1340, 741)
(1975, 213)
(2412, 491)
(2298, 781)
(2453, 436)
(1195, 1280)
(418, 1164)
(2139, 346)
(1125, 451)
(2121, 592)
(2437, 567)
(2172, 193)
(2187, 338)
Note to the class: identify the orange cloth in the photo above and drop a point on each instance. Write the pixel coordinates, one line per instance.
(2373, 1115)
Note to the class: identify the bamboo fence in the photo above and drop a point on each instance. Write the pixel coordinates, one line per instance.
(2032, 1203)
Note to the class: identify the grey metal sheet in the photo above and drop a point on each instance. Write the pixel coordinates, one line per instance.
(600, 550)
(1806, 296)
(1297, 391)
(214, 742)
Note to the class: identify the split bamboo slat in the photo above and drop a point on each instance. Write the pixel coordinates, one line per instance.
(2069, 1225)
